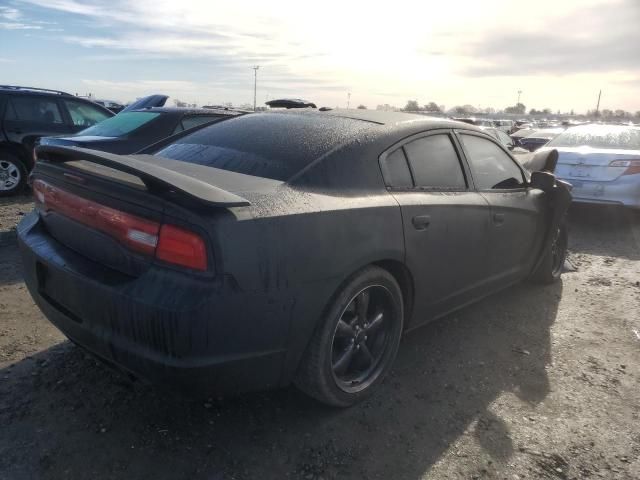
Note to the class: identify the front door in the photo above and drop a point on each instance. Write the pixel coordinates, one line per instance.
(515, 209)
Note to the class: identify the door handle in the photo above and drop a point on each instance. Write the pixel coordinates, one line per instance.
(421, 222)
(16, 130)
(498, 218)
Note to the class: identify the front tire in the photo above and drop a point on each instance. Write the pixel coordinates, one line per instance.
(550, 269)
(13, 174)
(356, 342)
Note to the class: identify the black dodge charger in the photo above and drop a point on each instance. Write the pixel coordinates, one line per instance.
(283, 247)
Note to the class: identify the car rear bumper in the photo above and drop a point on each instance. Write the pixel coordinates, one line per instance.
(624, 191)
(165, 328)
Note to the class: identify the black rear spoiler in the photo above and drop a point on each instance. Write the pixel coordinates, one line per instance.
(149, 172)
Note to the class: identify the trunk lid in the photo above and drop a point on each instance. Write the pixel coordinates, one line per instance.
(114, 209)
(586, 163)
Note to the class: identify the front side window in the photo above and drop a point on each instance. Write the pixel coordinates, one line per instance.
(35, 109)
(492, 168)
(121, 124)
(504, 139)
(84, 114)
(435, 163)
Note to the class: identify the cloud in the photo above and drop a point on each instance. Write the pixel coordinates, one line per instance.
(12, 19)
(9, 13)
(468, 54)
(593, 39)
(145, 85)
(18, 26)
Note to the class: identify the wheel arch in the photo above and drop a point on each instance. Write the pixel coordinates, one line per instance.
(403, 276)
(19, 151)
(398, 270)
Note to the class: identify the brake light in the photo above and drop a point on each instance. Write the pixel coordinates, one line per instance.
(181, 247)
(136, 233)
(166, 242)
(633, 166)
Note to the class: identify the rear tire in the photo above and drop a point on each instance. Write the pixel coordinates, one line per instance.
(13, 174)
(356, 341)
(550, 269)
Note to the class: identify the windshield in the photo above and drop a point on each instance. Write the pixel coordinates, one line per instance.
(120, 124)
(599, 136)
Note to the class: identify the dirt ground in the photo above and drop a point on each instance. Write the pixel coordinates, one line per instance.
(535, 382)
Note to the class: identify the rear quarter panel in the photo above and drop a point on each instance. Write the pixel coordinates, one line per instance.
(293, 249)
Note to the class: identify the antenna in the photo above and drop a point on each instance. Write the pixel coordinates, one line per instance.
(255, 84)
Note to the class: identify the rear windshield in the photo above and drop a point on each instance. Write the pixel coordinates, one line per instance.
(119, 125)
(270, 145)
(599, 136)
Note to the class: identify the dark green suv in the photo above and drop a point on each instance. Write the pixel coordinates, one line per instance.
(26, 114)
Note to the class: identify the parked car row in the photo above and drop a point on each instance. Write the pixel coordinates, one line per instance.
(33, 116)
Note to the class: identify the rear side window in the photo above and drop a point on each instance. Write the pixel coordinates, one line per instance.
(195, 120)
(9, 112)
(84, 114)
(492, 168)
(34, 109)
(435, 163)
(395, 170)
(121, 124)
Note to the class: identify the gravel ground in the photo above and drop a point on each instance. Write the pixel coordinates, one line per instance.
(535, 382)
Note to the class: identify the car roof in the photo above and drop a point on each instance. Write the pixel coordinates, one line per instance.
(191, 111)
(33, 91)
(297, 136)
(396, 120)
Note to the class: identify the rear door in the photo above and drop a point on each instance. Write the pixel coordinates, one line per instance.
(446, 223)
(516, 209)
(29, 117)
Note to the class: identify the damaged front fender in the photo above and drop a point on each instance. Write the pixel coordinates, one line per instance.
(558, 193)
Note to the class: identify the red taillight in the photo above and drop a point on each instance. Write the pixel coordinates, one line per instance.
(166, 242)
(182, 247)
(138, 234)
(633, 166)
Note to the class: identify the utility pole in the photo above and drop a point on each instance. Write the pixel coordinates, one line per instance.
(519, 92)
(598, 104)
(255, 85)
(348, 99)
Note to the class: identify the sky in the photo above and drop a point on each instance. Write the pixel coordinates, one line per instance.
(558, 53)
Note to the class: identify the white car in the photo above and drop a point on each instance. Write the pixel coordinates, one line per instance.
(602, 162)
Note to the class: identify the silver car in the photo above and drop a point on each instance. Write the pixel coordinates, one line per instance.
(602, 162)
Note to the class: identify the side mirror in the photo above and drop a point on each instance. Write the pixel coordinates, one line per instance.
(544, 181)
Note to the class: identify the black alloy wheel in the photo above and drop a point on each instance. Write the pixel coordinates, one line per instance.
(360, 339)
(356, 341)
